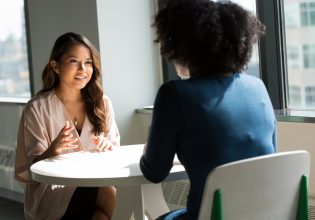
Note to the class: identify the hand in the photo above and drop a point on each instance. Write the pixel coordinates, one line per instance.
(102, 143)
(64, 140)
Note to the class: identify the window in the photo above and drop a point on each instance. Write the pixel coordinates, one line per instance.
(309, 56)
(307, 13)
(14, 70)
(295, 94)
(293, 57)
(310, 96)
(300, 53)
(292, 18)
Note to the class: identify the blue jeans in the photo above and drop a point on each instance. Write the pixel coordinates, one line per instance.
(178, 214)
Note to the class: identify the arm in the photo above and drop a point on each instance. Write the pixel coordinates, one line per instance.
(32, 142)
(160, 149)
(274, 138)
(64, 140)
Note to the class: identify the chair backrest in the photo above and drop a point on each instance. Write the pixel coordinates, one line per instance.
(259, 188)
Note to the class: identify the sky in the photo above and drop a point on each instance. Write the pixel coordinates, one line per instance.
(10, 18)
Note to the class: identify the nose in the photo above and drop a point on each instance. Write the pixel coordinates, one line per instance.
(82, 66)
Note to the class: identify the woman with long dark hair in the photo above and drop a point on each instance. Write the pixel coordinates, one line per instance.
(70, 113)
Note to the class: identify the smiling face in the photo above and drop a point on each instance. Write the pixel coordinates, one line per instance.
(75, 67)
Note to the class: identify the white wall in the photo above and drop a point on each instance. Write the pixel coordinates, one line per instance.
(129, 61)
(122, 31)
(129, 57)
(48, 19)
(299, 136)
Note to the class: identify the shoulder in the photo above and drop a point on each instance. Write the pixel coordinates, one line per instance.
(250, 79)
(108, 103)
(167, 95)
(39, 102)
(107, 100)
(168, 87)
(252, 82)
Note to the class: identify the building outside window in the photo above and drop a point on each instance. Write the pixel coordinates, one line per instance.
(309, 56)
(14, 69)
(310, 96)
(307, 13)
(293, 57)
(295, 94)
(300, 52)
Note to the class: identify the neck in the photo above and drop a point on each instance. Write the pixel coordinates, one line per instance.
(68, 96)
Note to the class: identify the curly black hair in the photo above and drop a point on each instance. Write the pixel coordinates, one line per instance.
(208, 37)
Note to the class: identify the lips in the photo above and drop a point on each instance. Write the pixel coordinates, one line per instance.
(79, 77)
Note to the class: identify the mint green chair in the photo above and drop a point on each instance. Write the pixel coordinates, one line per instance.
(270, 187)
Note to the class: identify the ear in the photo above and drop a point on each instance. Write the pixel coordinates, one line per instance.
(54, 65)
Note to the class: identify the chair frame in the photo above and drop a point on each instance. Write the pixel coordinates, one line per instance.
(218, 191)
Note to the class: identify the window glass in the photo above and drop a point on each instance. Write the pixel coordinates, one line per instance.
(295, 96)
(310, 96)
(307, 13)
(300, 52)
(14, 71)
(309, 56)
(293, 57)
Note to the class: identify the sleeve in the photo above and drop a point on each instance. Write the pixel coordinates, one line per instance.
(274, 138)
(113, 134)
(31, 142)
(157, 160)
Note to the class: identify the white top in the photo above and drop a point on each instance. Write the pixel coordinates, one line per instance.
(119, 167)
(41, 121)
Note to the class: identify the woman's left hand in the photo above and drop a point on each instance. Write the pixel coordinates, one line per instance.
(102, 143)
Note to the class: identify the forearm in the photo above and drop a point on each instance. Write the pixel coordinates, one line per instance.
(50, 152)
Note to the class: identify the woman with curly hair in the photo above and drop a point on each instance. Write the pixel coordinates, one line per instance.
(70, 113)
(217, 114)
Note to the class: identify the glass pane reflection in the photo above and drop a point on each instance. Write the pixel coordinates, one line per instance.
(14, 71)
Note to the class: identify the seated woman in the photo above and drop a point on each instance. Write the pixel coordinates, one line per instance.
(217, 114)
(70, 113)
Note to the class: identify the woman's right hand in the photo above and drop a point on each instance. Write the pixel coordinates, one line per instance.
(64, 140)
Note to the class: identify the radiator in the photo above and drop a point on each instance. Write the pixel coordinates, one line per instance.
(175, 193)
(7, 181)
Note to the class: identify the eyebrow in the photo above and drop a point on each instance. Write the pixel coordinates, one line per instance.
(73, 56)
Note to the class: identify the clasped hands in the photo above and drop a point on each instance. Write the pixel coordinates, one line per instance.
(66, 140)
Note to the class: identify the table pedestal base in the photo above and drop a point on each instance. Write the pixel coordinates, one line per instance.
(140, 200)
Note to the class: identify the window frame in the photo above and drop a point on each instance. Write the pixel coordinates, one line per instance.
(20, 100)
(273, 51)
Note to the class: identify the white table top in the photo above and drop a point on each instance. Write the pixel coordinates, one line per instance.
(119, 167)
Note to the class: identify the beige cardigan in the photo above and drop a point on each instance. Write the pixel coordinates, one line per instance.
(42, 119)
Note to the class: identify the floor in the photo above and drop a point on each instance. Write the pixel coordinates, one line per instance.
(11, 210)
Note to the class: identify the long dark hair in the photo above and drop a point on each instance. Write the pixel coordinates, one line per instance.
(92, 93)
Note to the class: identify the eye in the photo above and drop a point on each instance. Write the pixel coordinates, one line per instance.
(73, 61)
(89, 62)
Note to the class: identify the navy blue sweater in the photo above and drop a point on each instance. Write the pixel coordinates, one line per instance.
(208, 121)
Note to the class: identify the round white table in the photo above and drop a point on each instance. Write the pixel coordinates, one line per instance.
(120, 168)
